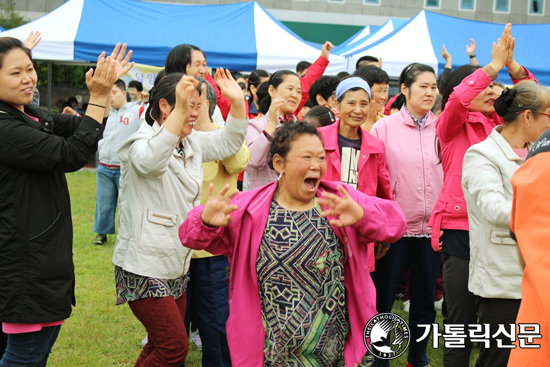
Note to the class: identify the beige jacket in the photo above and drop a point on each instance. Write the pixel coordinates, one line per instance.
(158, 187)
(495, 269)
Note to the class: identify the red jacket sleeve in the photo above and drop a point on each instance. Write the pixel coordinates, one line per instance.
(223, 103)
(314, 72)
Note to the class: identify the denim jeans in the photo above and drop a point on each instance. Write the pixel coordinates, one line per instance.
(30, 349)
(210, 283)
(106, 199)
(424, 265)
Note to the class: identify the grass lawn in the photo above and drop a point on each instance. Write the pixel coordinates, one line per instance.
(98, 334)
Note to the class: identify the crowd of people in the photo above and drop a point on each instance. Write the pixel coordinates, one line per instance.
(282, 208)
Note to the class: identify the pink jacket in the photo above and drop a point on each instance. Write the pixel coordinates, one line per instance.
(373, 180)
(412, 162)
(240, 241)
(458, 129)
(259, 173)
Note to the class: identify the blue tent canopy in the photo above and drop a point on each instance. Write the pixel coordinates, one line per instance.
(240, 36)
(421, 38)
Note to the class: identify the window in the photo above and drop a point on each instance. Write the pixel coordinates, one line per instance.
(467, 4)
(432, 3)
(501, 5)
(536, 7)
(371, 2)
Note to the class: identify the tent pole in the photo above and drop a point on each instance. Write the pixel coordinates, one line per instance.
(49, 98)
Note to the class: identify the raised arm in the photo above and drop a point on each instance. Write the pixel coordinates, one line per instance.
(25, 146)
(205, 227)
(314, 72)
(375, 219)
(222, 144)
(457, 108)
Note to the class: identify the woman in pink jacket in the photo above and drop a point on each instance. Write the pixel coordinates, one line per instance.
(467, 118)
(299, 288)
(416, 179)
(354, 156)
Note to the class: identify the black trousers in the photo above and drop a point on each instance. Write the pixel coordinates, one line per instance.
(460, 307)
(495, 311)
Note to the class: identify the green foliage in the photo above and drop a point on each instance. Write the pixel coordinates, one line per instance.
(72, 76)
(9, 18)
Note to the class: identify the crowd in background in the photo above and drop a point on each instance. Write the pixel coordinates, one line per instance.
(285, 209)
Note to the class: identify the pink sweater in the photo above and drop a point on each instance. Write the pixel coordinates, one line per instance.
(383, 221)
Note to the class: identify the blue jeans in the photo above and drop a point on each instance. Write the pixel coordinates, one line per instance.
(210, 283)
(30, 349)
(106, 199)
(424, 264)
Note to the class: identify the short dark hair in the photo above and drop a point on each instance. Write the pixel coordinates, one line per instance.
(325, 86)
(372, 74)
(255, 78)
(320, 116)
(302, 65)
(282, 141)
(121, 85)
(365, 59)
(341, 75)
(455, 78)
(136, 84)
(179, 58)
(8, 44)
(165, 89)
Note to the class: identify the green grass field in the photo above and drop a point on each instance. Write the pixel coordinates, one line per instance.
(100, 334)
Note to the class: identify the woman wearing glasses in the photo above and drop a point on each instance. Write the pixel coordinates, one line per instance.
(495, 269)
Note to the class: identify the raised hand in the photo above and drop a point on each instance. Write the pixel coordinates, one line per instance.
(471, 50)
(32, 40)
(184, 89)
(499, 54)
(121, 65)
(345, 209)
(100, 82)
(446, 55)
(228, 86)
(217, 211)
(325, 51)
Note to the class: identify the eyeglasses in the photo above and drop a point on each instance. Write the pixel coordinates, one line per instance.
(542, 113)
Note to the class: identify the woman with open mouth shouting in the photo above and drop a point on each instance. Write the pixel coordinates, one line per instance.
(285, 94)
(301, 293)
(354, 156)
(160, 182)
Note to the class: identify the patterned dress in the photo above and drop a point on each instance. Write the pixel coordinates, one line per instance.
(131, 287)
(300, 269)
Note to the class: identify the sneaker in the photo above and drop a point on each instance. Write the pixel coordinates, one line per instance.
(406, 305)
(195, 337)
(144, 341)
(100, 240)
(438, 304)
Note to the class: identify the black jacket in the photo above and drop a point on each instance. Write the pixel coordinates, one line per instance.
(36, 234)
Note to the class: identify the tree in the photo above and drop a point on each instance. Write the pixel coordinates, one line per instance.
(9, 18)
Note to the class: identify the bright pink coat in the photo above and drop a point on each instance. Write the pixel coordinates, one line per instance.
(383, 221)
(373, 180)
(458, 129)
(413, 164)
